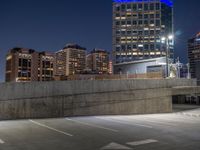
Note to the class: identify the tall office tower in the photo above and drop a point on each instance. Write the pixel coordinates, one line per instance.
(70, 60)
(98, 61)
(194, 56)
(138, 26)
(46, 66)
(21, 65)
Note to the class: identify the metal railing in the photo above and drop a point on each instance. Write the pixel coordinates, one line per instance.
(154, 75)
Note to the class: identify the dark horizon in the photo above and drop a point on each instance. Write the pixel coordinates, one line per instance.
(49, 25)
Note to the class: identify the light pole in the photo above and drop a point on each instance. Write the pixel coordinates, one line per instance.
(178, 66)
(188, 69)
(166, 41)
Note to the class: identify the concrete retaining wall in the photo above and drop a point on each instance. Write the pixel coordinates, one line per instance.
(75, 98)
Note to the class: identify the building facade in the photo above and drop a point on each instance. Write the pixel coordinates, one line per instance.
(21, 65)
(98, 61)
(138, 26)
(70, 60)
(141, 66)
(110, 67)
(46, 66)
(24, 65)
(194, 56)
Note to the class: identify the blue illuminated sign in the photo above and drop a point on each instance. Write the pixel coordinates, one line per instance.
(167, 2)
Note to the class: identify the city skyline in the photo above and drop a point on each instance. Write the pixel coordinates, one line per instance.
(49, 26)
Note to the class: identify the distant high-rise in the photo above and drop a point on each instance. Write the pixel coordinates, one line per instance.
(138, 26)
(194, 56)
(70, 60)
(23, 65)
(98, 61)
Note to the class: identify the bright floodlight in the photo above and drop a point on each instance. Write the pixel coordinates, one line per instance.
(170, 37)
(163, 39)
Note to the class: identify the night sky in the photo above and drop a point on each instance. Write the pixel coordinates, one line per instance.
(50, 24)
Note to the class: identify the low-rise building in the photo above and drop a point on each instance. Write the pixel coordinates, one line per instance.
(24, 65)
(21, 65)
(142, 66)
(46, 66)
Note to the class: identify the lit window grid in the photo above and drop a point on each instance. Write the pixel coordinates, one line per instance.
(122, 23)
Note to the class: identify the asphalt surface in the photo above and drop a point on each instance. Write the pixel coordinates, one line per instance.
(176, 131)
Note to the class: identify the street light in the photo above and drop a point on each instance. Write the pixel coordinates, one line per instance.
(163, 39)
(166, 40)
(170, 37)
(188, 70)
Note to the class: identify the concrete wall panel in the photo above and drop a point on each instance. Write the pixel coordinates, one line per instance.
(77, 98)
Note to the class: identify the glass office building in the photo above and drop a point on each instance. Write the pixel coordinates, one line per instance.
(138, 26)
(194, 56)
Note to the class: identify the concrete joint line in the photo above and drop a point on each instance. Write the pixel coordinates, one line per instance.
(85, 93)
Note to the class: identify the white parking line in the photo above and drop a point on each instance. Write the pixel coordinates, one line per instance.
(118, 121)
(151, 121)
(1, 141)
(43, 125)
(92, 125)
(136, 143)
(115, 146)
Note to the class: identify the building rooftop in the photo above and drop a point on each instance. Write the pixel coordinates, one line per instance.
(167, 2)
(99, 51)
(141, 61)
(19, 49)
(75, 46)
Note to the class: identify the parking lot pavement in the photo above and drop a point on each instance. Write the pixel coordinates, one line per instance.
(185, 107)
(141, 132)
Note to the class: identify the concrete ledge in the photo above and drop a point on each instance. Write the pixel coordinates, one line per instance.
(185, 90)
